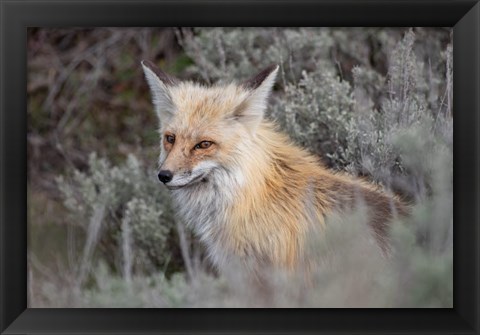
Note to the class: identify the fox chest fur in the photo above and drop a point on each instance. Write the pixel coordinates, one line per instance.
(255, 220)
(246, 190)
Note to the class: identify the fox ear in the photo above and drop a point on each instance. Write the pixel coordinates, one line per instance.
(160, 84)
(251, 110)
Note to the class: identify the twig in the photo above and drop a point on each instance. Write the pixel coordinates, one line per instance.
(185, 250)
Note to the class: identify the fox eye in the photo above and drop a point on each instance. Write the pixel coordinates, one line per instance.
(203, 145)
(170, 138)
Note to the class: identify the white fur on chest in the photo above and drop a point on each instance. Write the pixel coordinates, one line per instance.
(204, 207)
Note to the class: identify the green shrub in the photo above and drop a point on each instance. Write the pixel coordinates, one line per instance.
(125, 208)
(222, 54)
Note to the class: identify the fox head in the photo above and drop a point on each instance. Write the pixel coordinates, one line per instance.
(205, 130)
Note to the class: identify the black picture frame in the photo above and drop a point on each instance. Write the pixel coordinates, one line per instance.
(17, 15)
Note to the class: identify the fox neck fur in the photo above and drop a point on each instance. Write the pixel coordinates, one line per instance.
(261, 207)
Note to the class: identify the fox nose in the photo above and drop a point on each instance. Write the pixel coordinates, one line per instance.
(165, 176)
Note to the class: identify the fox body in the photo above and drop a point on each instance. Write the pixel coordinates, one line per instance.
(248, 192)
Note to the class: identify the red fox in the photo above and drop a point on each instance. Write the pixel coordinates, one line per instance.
(246, 190)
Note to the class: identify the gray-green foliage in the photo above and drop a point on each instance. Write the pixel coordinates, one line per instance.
(353, 125)
(136, 220)
(154, 290)
(236, 53)
(317, 115)
(108, 289)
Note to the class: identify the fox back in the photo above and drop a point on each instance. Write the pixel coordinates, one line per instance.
(249, 193)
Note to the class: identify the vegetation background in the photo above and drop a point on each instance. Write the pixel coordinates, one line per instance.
(374, 102)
